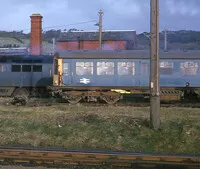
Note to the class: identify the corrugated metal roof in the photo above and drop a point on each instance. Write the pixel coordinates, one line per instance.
(13, 51)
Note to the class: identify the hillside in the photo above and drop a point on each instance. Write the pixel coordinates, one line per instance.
(175, 40)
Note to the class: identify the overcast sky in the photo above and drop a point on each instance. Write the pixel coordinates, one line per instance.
(118, 14)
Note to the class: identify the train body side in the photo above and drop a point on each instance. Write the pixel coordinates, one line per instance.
(173, 73)
(27, 72)
(88, 74)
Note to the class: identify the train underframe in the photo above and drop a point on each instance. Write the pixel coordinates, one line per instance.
(112, 95)
(21, 95)
(95, 94)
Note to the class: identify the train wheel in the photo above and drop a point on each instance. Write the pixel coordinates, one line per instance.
(110, 99)
(21, 92)
(20, 97)
(74, 99)
(20, 100)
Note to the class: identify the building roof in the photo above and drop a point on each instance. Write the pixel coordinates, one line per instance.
(94, 35)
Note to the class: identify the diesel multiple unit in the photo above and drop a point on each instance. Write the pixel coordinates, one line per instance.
(99, 75)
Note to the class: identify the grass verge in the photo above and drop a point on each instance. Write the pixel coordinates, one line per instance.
(110, 127)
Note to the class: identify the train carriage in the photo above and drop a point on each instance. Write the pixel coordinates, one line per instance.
(21, 74)
(93, 75)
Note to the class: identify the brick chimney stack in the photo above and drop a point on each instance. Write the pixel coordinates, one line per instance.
(36, 34)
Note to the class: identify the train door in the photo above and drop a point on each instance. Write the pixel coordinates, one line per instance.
(126, 73)
(26, 75)
(83, 73)
(67, 73)
(144, 72)
(37, 74)
(57, 72)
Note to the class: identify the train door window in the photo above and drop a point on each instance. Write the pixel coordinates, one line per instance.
(84, 68)
(189, 68)
(16, 68)
(105, 68)
(26, 68)
(37, 68)
(126, 68)
(2, 68)
(166, 68)
(66, 68)
(56, 66)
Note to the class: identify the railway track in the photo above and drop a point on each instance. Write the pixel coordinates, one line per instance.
(58, 156)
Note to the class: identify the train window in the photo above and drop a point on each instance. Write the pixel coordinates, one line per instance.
(26, 68)
(126, 68)
(105, 68)
(166, 68)
(37, 68)
(2, 68)
(189, 68)
(84, 68)
(66, 68)
(16, 68)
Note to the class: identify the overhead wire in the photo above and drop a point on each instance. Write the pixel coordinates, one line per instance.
(59, 26)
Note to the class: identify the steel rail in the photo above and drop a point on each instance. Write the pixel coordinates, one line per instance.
(76, 157)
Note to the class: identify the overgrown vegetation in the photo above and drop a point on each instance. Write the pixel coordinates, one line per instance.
(113, 128)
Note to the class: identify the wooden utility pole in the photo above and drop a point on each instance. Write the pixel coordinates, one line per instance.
(100, 28)
(154, 66)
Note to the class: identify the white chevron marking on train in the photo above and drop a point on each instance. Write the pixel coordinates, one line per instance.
(84, 80)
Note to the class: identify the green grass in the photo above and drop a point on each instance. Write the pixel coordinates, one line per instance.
(113, 128)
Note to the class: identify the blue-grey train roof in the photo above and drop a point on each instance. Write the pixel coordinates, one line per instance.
(44, 58)
(126, 54)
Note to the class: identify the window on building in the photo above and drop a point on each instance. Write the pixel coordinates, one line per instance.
(16, 68)
(26, 68)
(2, 68)
(105, 68)
(84, 68)
(166, 68)
(66, 68)
(37, 68)
(189, 68)
(126, 68)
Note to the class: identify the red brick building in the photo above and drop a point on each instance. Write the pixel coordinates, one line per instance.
(89, 40)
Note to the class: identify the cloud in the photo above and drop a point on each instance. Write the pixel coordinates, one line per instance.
(182, 8)
(118, 14)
